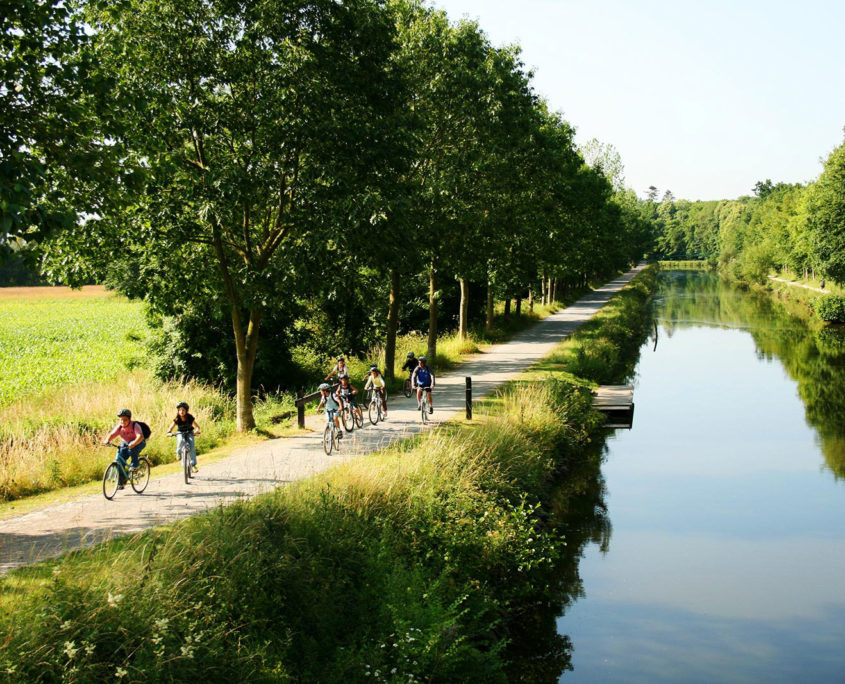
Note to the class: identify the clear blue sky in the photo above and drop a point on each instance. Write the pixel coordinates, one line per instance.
(703, 98)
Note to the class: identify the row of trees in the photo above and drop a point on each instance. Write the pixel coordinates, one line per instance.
(791, 227)
(323, 172)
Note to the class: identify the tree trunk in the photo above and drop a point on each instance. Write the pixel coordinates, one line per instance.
(507, 308)
(488, 323)
(531, 298)
(246, 346)
(463, 308)
(392, 325)
(554, 290)
(432, 314)
(543, 289)
(546, 288)
(518, 306)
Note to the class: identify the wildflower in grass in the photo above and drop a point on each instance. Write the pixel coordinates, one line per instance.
(70, 649)
(114, 599)
(120, 673)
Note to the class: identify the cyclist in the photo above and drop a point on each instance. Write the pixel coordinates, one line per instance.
(332, 405)
(341, 369)
(423, 380)
(375, 380)
(411, 364)
(133, 442)
(347, 392)
(187, 426)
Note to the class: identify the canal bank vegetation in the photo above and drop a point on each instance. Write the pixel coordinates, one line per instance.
(407, 565)
(794, 231)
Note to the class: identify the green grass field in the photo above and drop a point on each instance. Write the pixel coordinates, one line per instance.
(52, 337)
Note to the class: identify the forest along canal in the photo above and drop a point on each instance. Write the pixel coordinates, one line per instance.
(722, 552)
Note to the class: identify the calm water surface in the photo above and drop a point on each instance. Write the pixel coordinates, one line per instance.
(726, 559)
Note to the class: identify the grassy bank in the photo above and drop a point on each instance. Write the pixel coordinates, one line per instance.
(406, 565)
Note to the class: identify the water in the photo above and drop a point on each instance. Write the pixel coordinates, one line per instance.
(726, 559)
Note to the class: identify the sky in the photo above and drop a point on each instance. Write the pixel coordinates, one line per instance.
(703, 98)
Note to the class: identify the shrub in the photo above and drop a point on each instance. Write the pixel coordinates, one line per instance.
(830, 308)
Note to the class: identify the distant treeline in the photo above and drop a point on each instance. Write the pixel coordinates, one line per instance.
(793, 228)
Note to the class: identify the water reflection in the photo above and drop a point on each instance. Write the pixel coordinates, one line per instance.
(728, 548)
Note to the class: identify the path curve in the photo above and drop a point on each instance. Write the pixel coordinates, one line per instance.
(794, 284)
(251, 470)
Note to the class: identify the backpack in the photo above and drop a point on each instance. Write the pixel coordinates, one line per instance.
(145, 429)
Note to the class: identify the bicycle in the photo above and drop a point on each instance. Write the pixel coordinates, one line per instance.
(375, 410)
(348, 416)
(138, 477)
(184, 457)
(424, 402)
(331, 437)
(408, 388)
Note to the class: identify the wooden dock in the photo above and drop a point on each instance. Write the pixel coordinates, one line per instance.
(617, 403)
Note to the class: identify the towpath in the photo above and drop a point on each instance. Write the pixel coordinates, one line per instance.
(251, 470)
(794, 284)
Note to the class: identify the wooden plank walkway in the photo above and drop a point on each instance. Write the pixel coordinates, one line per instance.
(617, 403)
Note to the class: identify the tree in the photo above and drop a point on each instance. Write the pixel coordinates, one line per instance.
(45, 148)
(253, 131)
(826, 215)
(605, 158)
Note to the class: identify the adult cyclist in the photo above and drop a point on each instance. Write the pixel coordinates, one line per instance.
(410, 364)
(423, 380)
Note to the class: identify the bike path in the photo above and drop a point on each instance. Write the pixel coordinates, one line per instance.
(254, 469)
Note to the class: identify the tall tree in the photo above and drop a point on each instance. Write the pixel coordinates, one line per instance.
(253, 130)
(826, 215)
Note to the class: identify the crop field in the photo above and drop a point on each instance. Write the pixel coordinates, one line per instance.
(54, 337)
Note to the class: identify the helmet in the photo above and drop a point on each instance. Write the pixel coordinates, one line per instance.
(422, 359)
(124, 412)
(410, 355)
(341, 378)
(325, 386)
(182, 404)
(340, 358)
(373, 368)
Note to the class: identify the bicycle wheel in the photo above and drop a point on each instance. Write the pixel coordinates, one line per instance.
(424, 407)
(140, 477)
(372, 411)
(382, 411)
(111, 479)
(407, 390)
(185, 457)
(328, 439)
(358, 416)
(336, 438)
(346, 419)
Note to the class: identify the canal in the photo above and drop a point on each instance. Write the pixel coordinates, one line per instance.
(720, 550)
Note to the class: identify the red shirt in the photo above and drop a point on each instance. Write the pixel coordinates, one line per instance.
(128, 434)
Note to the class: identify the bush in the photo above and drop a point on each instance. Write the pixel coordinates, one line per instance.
(830, 308)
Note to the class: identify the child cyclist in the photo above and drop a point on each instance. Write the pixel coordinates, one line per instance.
(423, 380)
(133, 441)
(410, 364)
(341, 369)
(330, 401)
(348, 392)
(187, 426)
(375, 380)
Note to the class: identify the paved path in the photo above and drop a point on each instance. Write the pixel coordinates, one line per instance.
(251, 470)
(794, 284)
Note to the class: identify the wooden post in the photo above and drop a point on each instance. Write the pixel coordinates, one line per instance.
(469, 398)
(300, 409)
